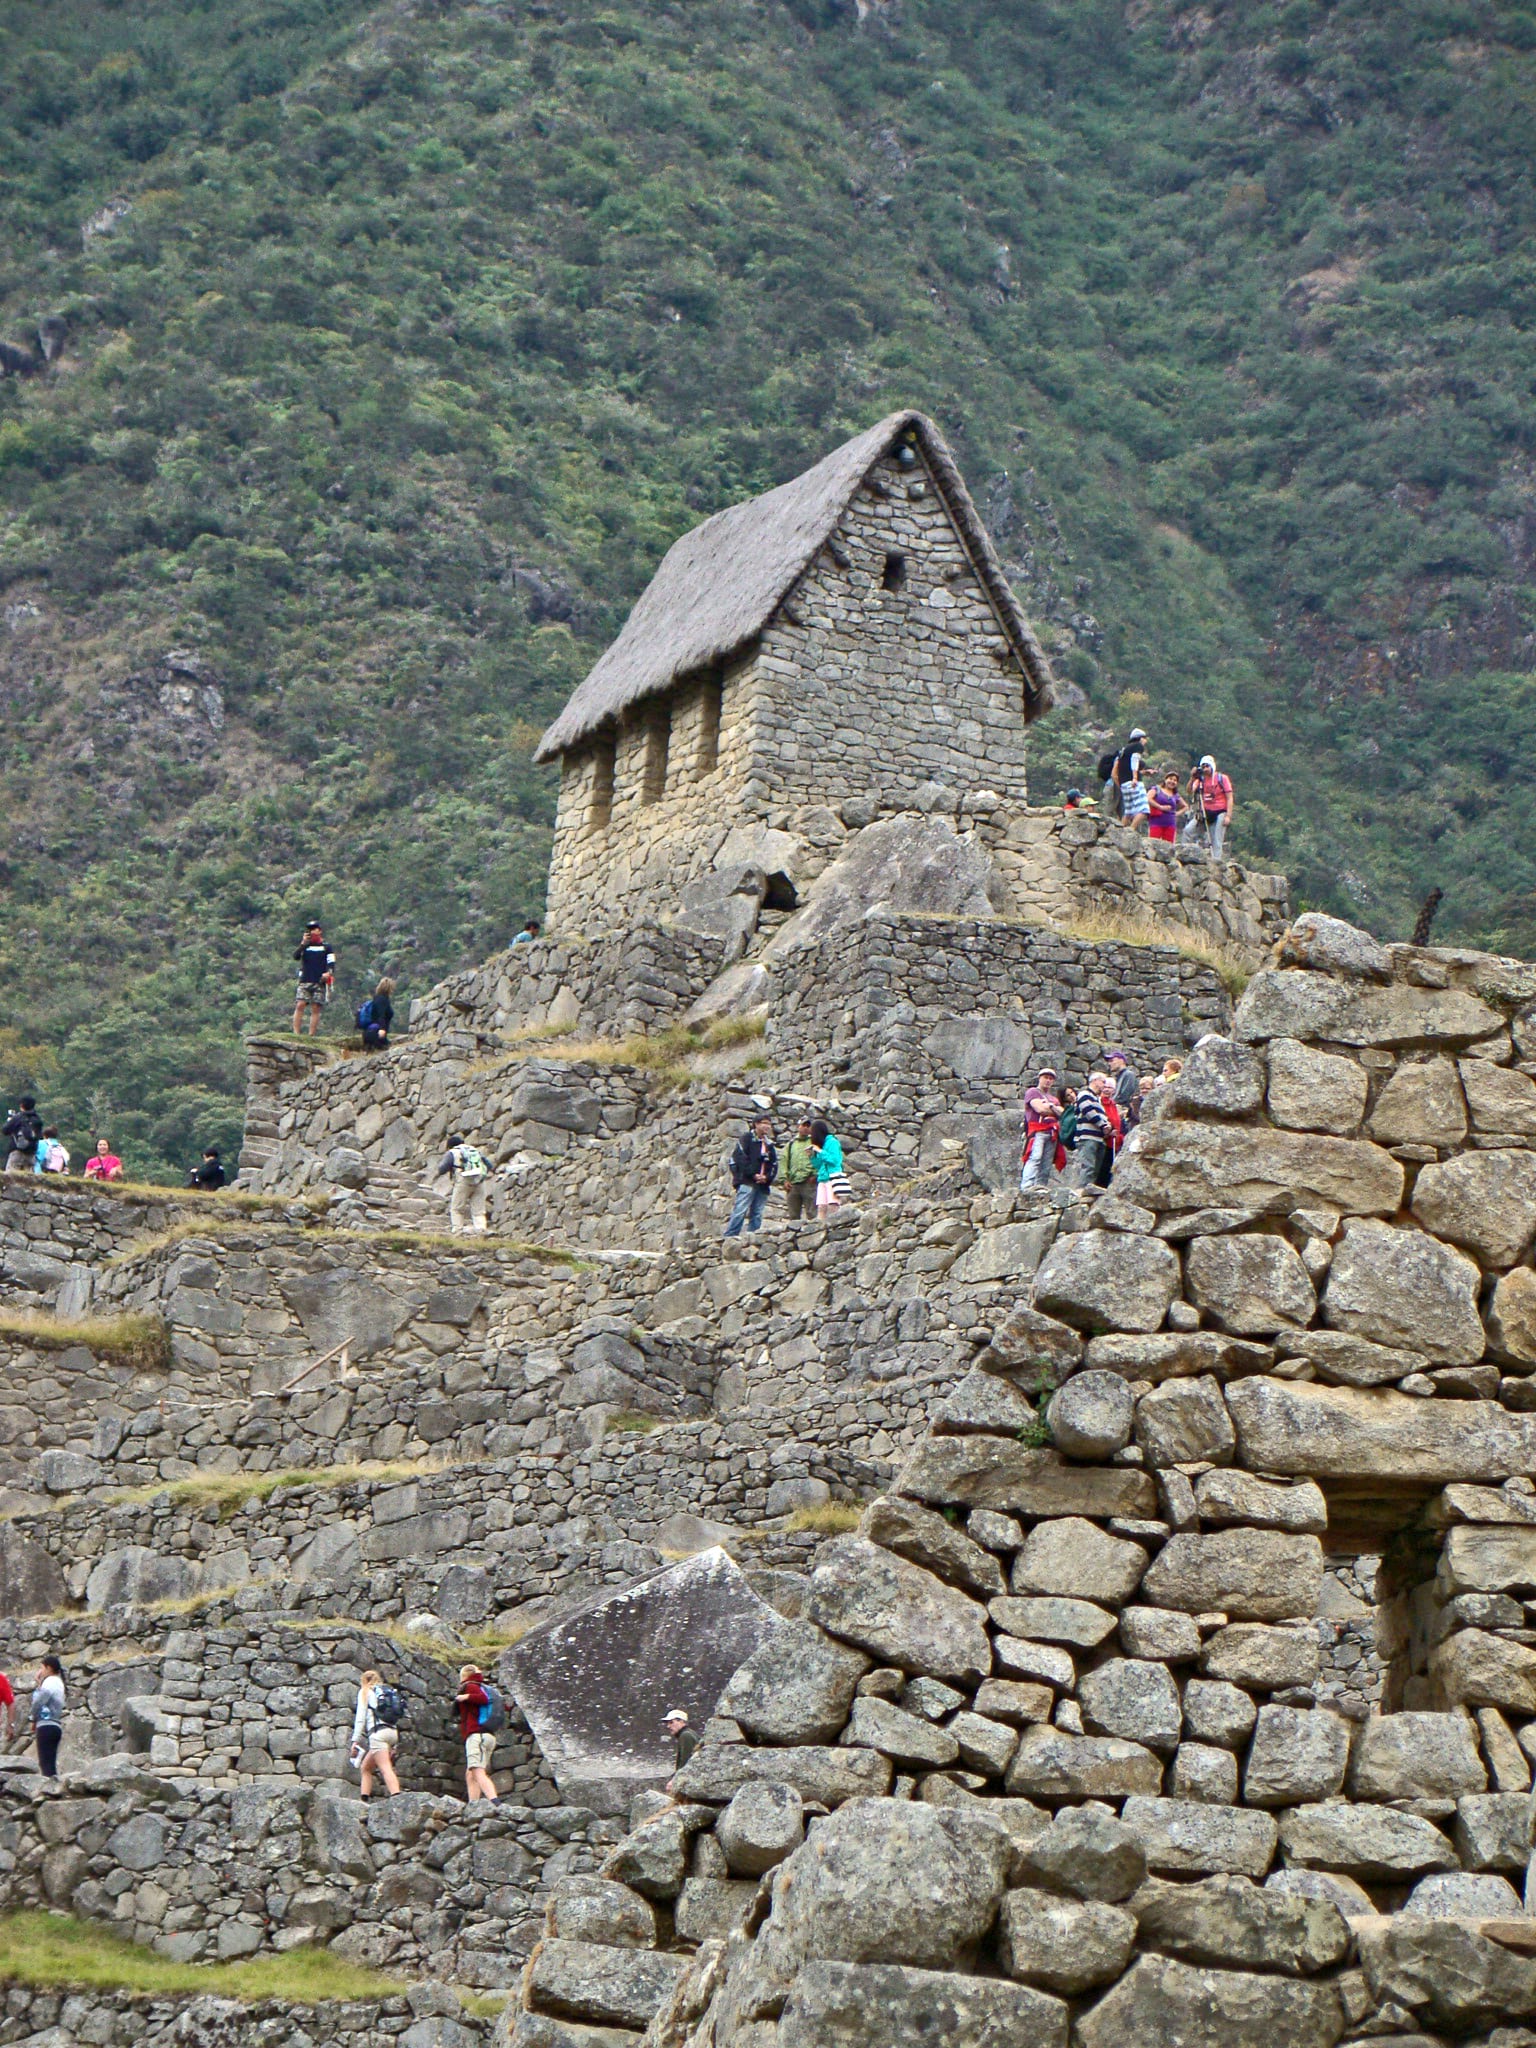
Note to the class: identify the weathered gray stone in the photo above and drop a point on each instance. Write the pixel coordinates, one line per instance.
(1189, 1838)
(718, 1770)
(1493, 1830)
(1485, 1201)
(1249, 1574)
(797, 1688)
(985, 1745)
(840, 2005)
(1197, 1166)
(1135, 1698)
(1088, 1853)
(1369, 1842)
(1416, 1756)
(1161, 1632)
(1048, 1620)
(1091, 1416)
(1512, 1318)
(1331, 1885)
(1421, 1104)
(986, 1404)
(1055, 1767)
(911, 1743)
(1232, 1922)
(1203, 1772)
(1075, 1559)
(1297, 1754)
(1333, 947)
(1348, 1361)
(987, 1472)
(31, 1581)
(1219, 1078)
(1181, 1354)
(1308, 1006)
(925, 1538)
(1217, 1711)
(1251, 1285)
(596, 1909)
(1376, 1434)
(898, 1612)
(1184, 1422)
(1028, 1342)
(1231, 1496)
(1014, 1700)
(590, 1981)
(1107, 1280)
(1012, 1251)
(1475, 1669)
(1314, 1091)
(136, 1576)
(1045, 1662)
(1065, 1945)
(1405, 1289)
(712, 1908)
(905, 863)
(1461, 1895)
(1501, 1099)
(652, 1859)
(764, 1823)
(1163, 2003)
(1446, 1973)
(1263, 1659)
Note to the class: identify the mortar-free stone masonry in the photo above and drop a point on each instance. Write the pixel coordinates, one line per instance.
(1139, 1581)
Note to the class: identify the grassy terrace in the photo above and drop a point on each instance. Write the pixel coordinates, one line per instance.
(53, 1949)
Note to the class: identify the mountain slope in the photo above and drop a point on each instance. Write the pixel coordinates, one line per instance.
(394, 345)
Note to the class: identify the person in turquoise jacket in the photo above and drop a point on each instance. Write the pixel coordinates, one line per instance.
(831, 1181)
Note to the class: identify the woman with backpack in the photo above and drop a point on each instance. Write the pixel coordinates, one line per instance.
(480, 1715)
(376, 1732)
(832, 1188)
(376, 1015)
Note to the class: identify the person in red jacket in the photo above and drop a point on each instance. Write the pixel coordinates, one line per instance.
(470, 1699)
(1042, 1128)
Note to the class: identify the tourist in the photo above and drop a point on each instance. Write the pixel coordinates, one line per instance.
(1124, 1077)
(1125, 767)
(684, 1740)
(376, 1015)
(1134, 801)
(376, 1732)
(50, 1156)
(1093, 1137)
(1066, 1137)
(1171, 1071)
(800, 1174)
(7, 1709)
(1074, 800)
(103, 1163)
(529, 933)
(1212, 805)
(1042, 1131)
(754, 1168)
(831, 1182)
(479, 1710)
(470, 1170)
(1104, 1089)
(209, 1174)
(1164, 805)
(317, 976)
(23, 1127)
(48, 1714)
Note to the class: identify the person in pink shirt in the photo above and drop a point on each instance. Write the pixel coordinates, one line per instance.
(103, 1163)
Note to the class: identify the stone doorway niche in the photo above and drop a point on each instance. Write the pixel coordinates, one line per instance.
(1378, 1604)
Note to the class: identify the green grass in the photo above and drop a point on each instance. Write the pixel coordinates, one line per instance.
(52, 1949)
(1233, 965)
(229, 1491)
(142, 1341)
(832, 1518)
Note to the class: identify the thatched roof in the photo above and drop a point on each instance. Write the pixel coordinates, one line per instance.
(719, 585)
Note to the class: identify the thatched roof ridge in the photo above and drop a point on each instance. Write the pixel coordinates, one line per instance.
(720, 584)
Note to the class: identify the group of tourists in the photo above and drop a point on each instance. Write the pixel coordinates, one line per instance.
(1151, 799)
(1079, 1133)
(35, 1147)
(813, 1176)
(317, 984)
(478, 1708)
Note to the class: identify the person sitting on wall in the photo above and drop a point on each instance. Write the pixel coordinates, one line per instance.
(103, 1163)
(376, 1015)
(754, 1169)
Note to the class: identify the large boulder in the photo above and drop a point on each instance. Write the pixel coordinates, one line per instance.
(1091, 1416)
(1373, 1843)
(1251, 1285)
(1315, 1091)
(925, 1538)
(1475, 1669)
(897, 1612)
(991, 1472)
(1248, 1574)
(1219, 1078)
(1512, 1318)
(1333, 947)
(1190, 1838)
(764, 1823)
(1485, 1201)
(1376, 1434)
(1502, 1559)
(1184, 1422)
(1236, 1924)
(1405, 1289)
(717, 1771)
(1297, 1754)
(1066, 1945)
(137, 1576)
(1163, 2003)
(1107, 1280)
(904, 864)
(31, 1581)
(1317, 1008)
(1422, 1104)
(1447, 1974)
(1134, 1698)
(1227, 1496)
(888, 2005)
(344, 1305)
(1501, 1099)
(1179, 1165)
(1076, 1559)
(1087, 1853)
(1058, 1768)
(583, 1980)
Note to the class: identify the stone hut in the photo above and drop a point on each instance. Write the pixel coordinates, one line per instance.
(832, 646)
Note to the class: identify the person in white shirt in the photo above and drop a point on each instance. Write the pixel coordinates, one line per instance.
(373, 1741)
(48, 1714)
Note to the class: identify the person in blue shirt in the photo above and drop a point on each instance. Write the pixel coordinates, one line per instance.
(831, 1181)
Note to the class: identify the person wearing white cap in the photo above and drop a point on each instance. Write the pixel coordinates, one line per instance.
(1123, 773)
(1212, 803)
(675, 1721)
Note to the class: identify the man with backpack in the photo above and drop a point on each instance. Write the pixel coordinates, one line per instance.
(23, 1127)
(1094, 1143)
(1211, 803)
(317, 976)
(482, 1716)
(754, 1169)
(471, 1171)
(376, 1731)
(1120, 770)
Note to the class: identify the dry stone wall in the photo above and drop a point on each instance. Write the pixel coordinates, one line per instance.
(429, 2017)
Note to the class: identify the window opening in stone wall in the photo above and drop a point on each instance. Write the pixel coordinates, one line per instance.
(658, 736)
(601, 808)
(711, 709)
(895, 572)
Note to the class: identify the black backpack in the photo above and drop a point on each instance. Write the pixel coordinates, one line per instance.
(390, 1707)
(24, 1129)
(1107, 765)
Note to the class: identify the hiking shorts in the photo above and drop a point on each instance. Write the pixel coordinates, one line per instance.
(477, 1751)
(387, 1739)
(312, 992)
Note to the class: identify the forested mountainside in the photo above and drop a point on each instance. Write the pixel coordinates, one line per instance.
(365, 359)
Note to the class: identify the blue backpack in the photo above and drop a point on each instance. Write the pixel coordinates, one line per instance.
(365, 1016)
(493, 1715)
